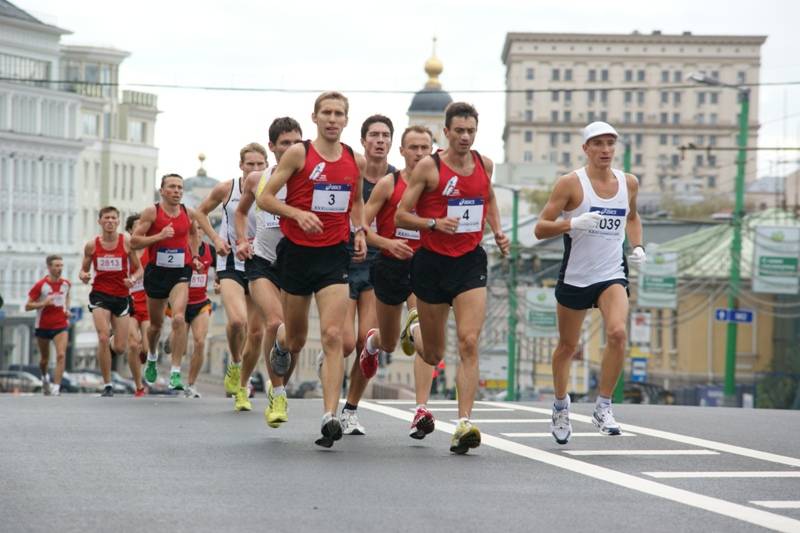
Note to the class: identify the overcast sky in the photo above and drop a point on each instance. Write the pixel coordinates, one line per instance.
(379, 45)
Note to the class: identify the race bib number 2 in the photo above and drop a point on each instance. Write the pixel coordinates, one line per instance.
(330, 198)
(468, 211)
(170, 257)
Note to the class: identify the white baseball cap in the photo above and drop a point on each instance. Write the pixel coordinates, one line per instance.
(598, 128)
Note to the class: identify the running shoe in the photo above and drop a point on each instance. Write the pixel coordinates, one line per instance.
(279, 360)
(232, 379)
(603, 419)
(108, 391)
(279, 413)
(465, 437)
(242, 402)
(139, 393)
(350, 423)
(422, 425)
(560, 426)
(368, 361)
(331, 431)
(406, 340)
(46, 384)
(191, 392)
(175, 382)
(268, 410)
(150, 372)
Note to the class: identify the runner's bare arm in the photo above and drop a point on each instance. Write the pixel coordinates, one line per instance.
(137, 271)
(380, 195)
(493, 212)
(423, 178)
(293, 160)
(67, 302)
(357, 213)
(212, 201)
(86, 262)
(194, 237)
(633, 226)
(139, 239)
(547, 226)
(244, 249)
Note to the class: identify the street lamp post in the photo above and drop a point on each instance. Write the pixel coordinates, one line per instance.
(511, 338)
(736, 240)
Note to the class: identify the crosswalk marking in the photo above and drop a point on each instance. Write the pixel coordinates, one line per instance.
(480, 421)
(778, 504)
(476, 410)
(757, 474)
(640, 452)
(574, 434)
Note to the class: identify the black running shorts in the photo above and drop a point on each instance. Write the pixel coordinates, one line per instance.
(159, 281)
(585, 297)
(305, 270)
(391, 278)
(118, 305)
(437, 279)
(258, 268)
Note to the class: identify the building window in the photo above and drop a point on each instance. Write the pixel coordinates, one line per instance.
(628, 97)
(528, 136)
(567, 116)
(676, 140)
(590, 116)
(673, 337)
(712, 140)
(675, 160)
(626, 117)
(554, 96)
(604, 74)
(638, 139)
(136, 131)
(640, 75)
(713, 98)
(604, 116)
(637, 159)
(528, 115)
(529, 73)
(592, 74)
(712, 119)
(527, 156)
(640, 117)
(700, 118)
(91, 122)
(555, 75)
(664, 118)
(640, 97)
(712, 182)
(698, 160)
(664, 97)
(590, 96)
(553, 139)
(568, 74)
(715, 74)
(677, 76)
(565, 158)
(628, 75)
(658, 338)
(662, 139)
(604, 97)
(741, 77)
(566, 137)
(676, 118)
(676, 98)
(664, 76)
(554, 116)
(567, 97)
(701, 98)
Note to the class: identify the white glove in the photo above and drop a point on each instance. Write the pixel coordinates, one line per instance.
(585, 221)
(637, 257)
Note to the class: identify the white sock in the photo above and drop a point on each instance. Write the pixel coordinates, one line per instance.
(562, 403)
(421, 406)
(603, 401)
(464, 419)
(107, 386)
(152, 357)
(371, 348)
(54, 388)
(174, 369)
(277, 391)
(234, 364)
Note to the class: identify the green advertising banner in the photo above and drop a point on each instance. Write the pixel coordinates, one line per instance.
(658, 281)
(775, 260)
(540, 312)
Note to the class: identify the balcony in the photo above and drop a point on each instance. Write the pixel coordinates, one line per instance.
(140, 98)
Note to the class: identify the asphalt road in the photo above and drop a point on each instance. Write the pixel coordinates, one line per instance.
(82, 463)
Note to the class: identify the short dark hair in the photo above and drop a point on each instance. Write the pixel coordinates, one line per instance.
(416, 128)
(283, 125)
(459, 109)
(374, 119)
(130, 221)
(54, 257)
(107, 209)
(170, 175)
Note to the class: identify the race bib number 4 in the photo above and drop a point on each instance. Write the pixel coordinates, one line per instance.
(109, 264)
(198, 280)
(612, 225)
(170, 257)
(330, 198)
(468, 211)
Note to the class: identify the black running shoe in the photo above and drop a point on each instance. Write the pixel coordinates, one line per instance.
(108, 391)
(331, 432)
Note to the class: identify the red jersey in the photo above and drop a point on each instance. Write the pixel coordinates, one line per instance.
(110, 268)
(384, 219)
(463, 197)
(173, 252)
(198, 285)
(137, 291)
(51, 316)
(326, 189)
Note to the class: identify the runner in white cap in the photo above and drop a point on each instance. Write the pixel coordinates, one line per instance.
(597, 206)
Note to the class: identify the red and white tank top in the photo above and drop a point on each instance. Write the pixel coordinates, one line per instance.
(172, 252)
(326, 189)
(463, 197)
(51, 316)
(110, 268)
(198, 285)
(384, 219)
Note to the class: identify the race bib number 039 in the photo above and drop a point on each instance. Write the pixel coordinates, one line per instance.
(612, 225)
(109, 264)
(170, 257)
(468, 211)
(330, 198)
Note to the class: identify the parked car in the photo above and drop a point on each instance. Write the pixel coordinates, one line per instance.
(19, 381)
(648, 393)
(306, 389)
(68, 383)
(121, 385)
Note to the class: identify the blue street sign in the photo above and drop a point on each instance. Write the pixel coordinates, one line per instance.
(77, 314)
(639, 369)
(741, 316)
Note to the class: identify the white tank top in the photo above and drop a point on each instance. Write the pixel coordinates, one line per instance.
(596, 255)
(268, 230)
(227, 229)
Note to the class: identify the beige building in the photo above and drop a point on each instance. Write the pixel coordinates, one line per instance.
(559, 82)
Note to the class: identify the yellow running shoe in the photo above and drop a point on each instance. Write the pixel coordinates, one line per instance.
(232, 378)
(268, 416)
(279, 413)
(466, 436)
(242, 402)
(406, 342)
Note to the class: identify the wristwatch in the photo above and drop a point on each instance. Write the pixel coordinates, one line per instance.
(432, 224)
(361, 228)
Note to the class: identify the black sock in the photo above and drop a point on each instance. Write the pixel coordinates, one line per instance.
(349, 407)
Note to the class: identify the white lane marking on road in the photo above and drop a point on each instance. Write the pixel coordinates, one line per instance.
(574, 434)
(757, 474)
(646, 486)
(676, 437)
(412, 402)
(475, 410)
(778, 504)
(480, 421)
(640, 452)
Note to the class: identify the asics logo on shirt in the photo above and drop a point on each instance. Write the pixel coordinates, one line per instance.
(316, 174)
(450, 188)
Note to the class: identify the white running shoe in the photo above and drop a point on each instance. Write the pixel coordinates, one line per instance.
(560, 426)
(191, 392)
(603, 419)
(350, 424)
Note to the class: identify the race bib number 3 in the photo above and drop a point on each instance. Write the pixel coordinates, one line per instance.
(170, 257)
(468, 211)
(612, 225)
(109, 264)
(330, 198)
(198, 280)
